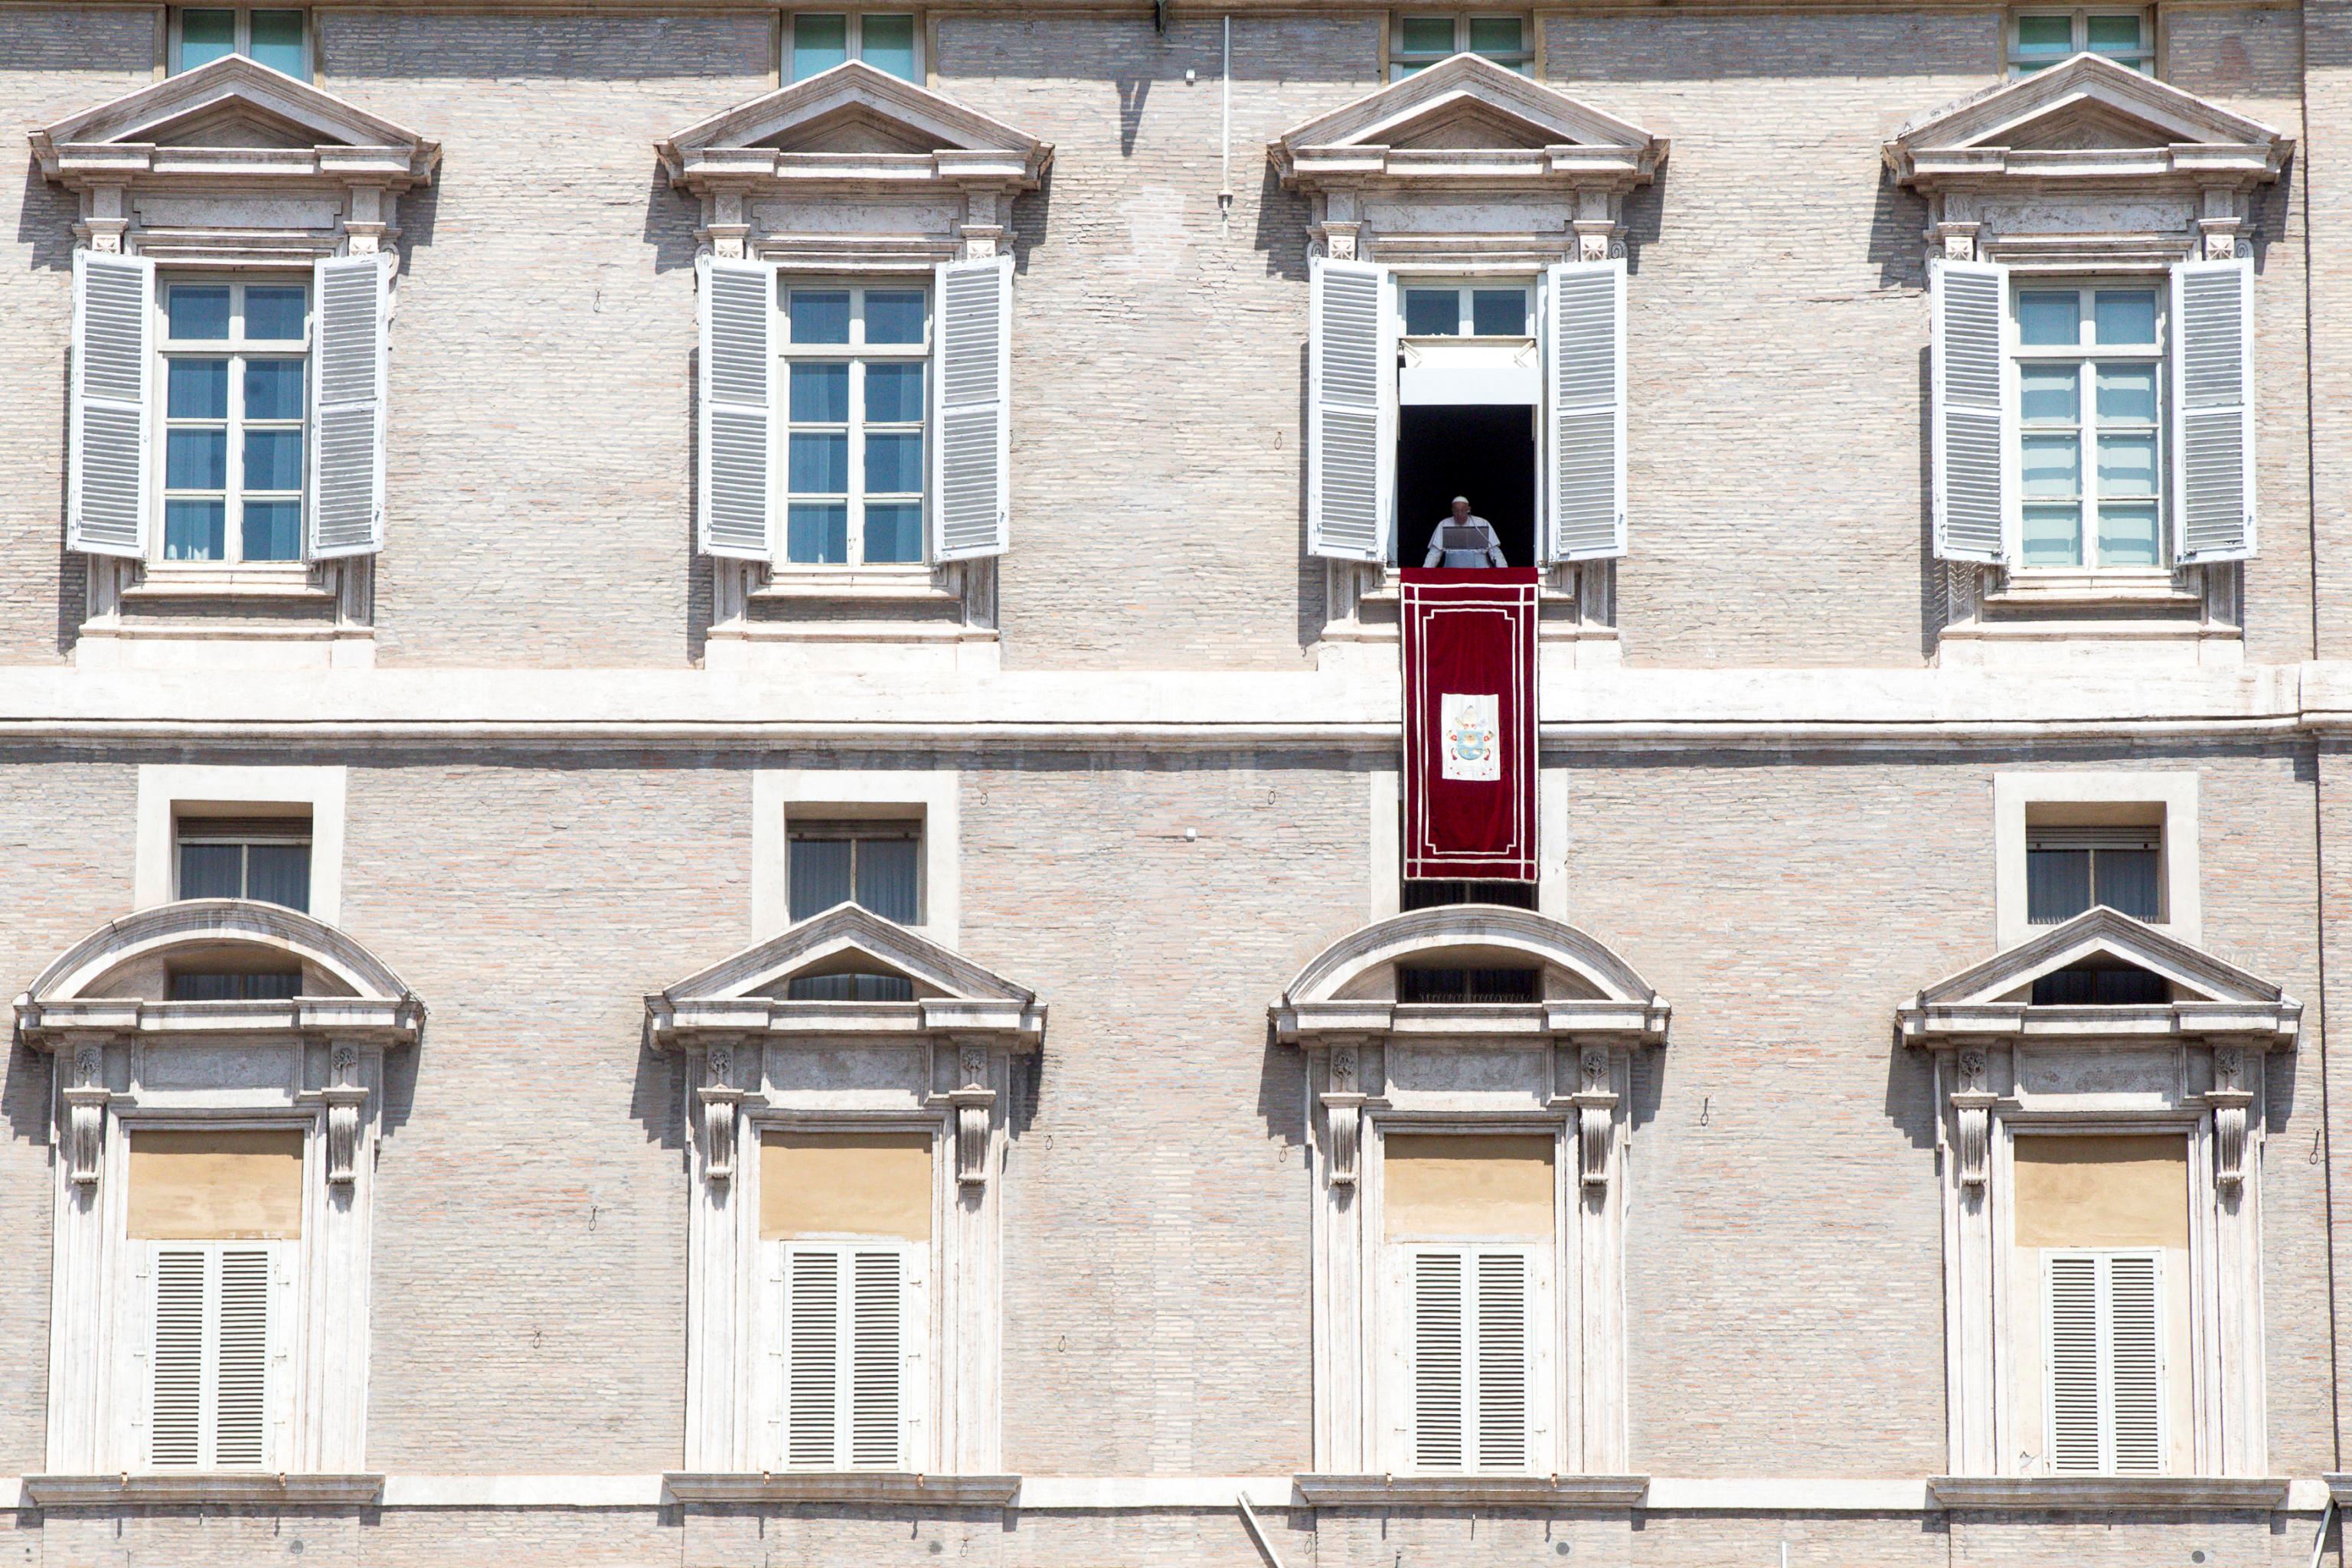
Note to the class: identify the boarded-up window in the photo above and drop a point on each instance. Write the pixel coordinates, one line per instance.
(1446, 1184)
(215, 1186)
(846, 1184)
(2097, 1192)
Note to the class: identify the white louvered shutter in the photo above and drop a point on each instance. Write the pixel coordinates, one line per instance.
(1971, 416)
(1585, 393)
(2073, 1287)
(972, 460)
(2135, 1364)
(176, 1358)
(738, 436)
(850, 1355)
(1502, 1364)
(347, 402)
(813, 1360)
(241, 1378)
(1351, 411)
(218, 1315)
(1472, 1372)
(2213, 410)
(1440, 1394)
(107, 501)
(877, 1358)
(2106, 1345)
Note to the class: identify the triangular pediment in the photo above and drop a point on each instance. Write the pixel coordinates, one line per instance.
(1466, 102)
(851, 111)
(2103, 939)
(847, 939)
(231, 102)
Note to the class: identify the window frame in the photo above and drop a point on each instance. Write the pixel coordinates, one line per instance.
(1403, 62)
(1465, 290)
(243, 45)
(2015, 67)
(858, 355)
(895, 827)
(2085, 356)
(2171, 794)
(180, 838)
(933, 796)
(237, 350)
(853, 40)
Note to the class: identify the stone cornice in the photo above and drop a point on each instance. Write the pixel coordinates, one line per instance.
(210, 921)
(228, 1487)
(1428, 1024)
(1551, 1492)
(2102, 1493)
(55, 1026)
(842, 1486)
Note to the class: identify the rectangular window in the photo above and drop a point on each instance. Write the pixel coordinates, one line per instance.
(2090, 376)
(1422, 38)
(2041, 39)
(2069, 870)
(279, 39)
(876, 865)
(889, 41)
(1447, 310)
(236, 361)
(267, 859)
(856, 363)
(2105, 1314)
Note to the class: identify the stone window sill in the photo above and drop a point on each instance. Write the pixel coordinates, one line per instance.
(170, 1489)
(162, 582)
(916, 583)
(2123, 586)
(842, 1485)
(2071, 1492)
(1461, 1491)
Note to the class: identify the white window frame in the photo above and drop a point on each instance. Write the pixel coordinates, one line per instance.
(2173, 793)
(930, 795)
(236, 348)
(1529, 285)
(2143, 59)
(857, 355)
(1403, 63)
(2084, 354)
(168, 792)
(245, 842)
(244, 44)
(854, 37)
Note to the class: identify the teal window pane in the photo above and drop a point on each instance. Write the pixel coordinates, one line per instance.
(1399, 70)
(819, 44)
(2127, 465)
(273, 531)
(205, 36)
(275, 315)
(894, 316)
(273, 389)
(2123, 315)
(817, 532)
(1496, 35)
(2126, 394)
(820, 315)
(273, 459)
(1498, 312)
(198, 313)
(894, 463)
(2052, 536)
(2049, 394)
(2046, 35)
(820, 393)
(278, 43)
(888, 43)
(197, 389)
(894, 394)
(2114, 35)
(2049, 317)
(1425, 36)
(819, 462)
(194, 529)
(2127, 536)
(2052, 465)
(894, 531)
(196, 459)
(1431, 312)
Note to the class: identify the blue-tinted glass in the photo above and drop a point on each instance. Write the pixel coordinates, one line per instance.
(273, 531)
(205, 35)
(2050, 466)
(2126, 394)
(273, 390)
(2057, 885)
(279, 874)
(278, 43)
(817, 532)
(196, 459)
(212, 871)
(2052, 536)
(1496, 35)
(888, 43)
(2128, 882)
(198, 313)
(274, 315)
(894, 531)
(893, 393)
(2049, 317)
(2127, 466)
(1498, 312)
(2128, 537)
(2123, 315)
(2116, 35)
(273, 459)
(1431, 312)
(820, 315)
(821, 393)
(2049, 394)
(819, 876)
(894, 464)
(886, 879)
(194, 529)
(819, 43)
(1425, 36)
(896, 317)
(2045, 38)
(197, 389)
(820, 462)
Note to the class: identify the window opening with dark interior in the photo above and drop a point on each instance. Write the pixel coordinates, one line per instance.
(2069, 870)
(1421, 893)
(853, 985)
(218, 985)
(873, 864)
(2101, 984)
(1468, 386)
(266, 858)
(1440, 983)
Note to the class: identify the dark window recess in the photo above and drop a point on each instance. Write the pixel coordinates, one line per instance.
(267, 859)
(2068, 869)
(2081, 985)
(1467, 985)
(207, 985)
(1429, 895)
(849, 988)
(1484, 452)
(871, 864)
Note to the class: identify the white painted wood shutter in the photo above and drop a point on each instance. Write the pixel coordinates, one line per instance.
(971, 462)
(347, 402)
(107, 486)
(2104, 1316)
(1583, 491)
(1972, 416)
(852, 1360)
(739, 409)
(1471, 1376)
(1351, 410)
(214, 1330)
(2213, 410)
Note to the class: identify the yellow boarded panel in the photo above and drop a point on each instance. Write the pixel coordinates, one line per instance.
(846, 1184)
(1440, 1185)
(215, 1186)
(2105, 1191)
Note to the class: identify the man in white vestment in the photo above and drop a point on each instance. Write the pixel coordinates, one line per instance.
(1463, 540)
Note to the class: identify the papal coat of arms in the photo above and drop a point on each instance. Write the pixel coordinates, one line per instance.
(1469, 739)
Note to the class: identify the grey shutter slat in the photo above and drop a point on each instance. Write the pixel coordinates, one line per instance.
(2213, 410)
(241, 1378)
(176, 1376)
(973, 448)
(1584, 390)
(1971, 419)
(1502, 1361)
(738, 376)
(876, 1358)
(2073, 1304)
(1350, 426)
(353, 295)
(108, 467)
(1437, 1289)
(813, 1358)
(2135, 1362)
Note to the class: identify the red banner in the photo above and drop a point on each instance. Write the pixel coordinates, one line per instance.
(1470, 724)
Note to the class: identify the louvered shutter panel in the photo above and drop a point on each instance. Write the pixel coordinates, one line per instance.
(1502, 1361)
(347, 402)
(973, 448)
(738, 379)
(1350, 419)
(878, 1352)
(2134, 1363)
(176, 1359)
(1971, 416)
(2213, 410)
(1438, 1345)
(241, 1379)
(2073, 1284)
(1584, 392)
(107, 499)
(813, 1362)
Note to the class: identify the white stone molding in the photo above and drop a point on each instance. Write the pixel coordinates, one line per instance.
(1542, 1492)
(2016, 793)
(932, 794)
(165, 787)
(2253, 1494)
(123, 1060)
(941, 1064)
(1562, 1066)
(212, 1490)
(861, 1486)
(2195, 1064)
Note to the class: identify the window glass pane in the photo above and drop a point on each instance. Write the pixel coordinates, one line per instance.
(821, 393)
(817, 532)
(278, 43)
(896, 317)
(196, 459)
(1498, 312)
(2057, 885)
(2127, 466)
(212, 871)
(2113, 35)
(205, 35)
(200, 987)
(2052, 536)
(893, 393)
(2125, 315)
(2052, 37)
(2127, 882)
(820, 462)
(1425, 36)
(886, 877)
(273, 459)
(894, 531)
(2052, 466)
(273, 390)
(194, 529)
(894, 463)
(2047, 393)
(273, 314)
(820, 315)
(2126, 394)
(2049, 317)
(819, 43)
(197, 389)
(273, 531)
(2127, 536)
(819, 875)
(1431, 312)
(279, 874)
(1496, 35)
(198, 312)
(888, 43)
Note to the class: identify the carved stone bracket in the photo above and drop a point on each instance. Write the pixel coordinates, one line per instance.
(974, 1102)
(2230, 1100)
(346, 1096)
(1596, 1115)
(1972, 1106)
(86, 1115)
(720, 1100)
(1343, 1110)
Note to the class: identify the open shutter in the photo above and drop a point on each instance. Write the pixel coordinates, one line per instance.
(1971, 409)
(1438, 1391)
(973, 448)
(813, 1360)
(2135, 1364)
(2213, 410)
(877, 1308)
(1351, 411)
(1584, 393)
(107, 499)
(176, 1359)
(737, 436)
(354, 306)
(2073, 1285)
(1502, 1368)
(241, 1403)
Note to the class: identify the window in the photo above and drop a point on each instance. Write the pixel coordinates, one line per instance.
(1418, 983)
(2106, 1413)
(874, 865)
(279, 39)
(1423, 38)
(2089, 364)
(2068, 869)
(236, 366)
(216, 985)
(1465, 310)
(262, 857)
(1424, 894)
(2068, 840)
(857, 360)
(2040, 39)
(823, 40)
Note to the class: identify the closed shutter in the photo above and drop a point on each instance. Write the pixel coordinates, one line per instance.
(972, 348)
(2104, 1345)
(241, 1422)
(877, 1358)
(107, 499)
(1439, 1341)
(2074, 1353)
(739, 377)
(354, 298)
(1584, 392)
(2213, 410)
(2134, 1313)
(1502, 1362)
(1971, 416)
(1471, 1369)
(1350, 418)
(176, 1422)
(850, 1358)
(214, 1346)
(813, 1363)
